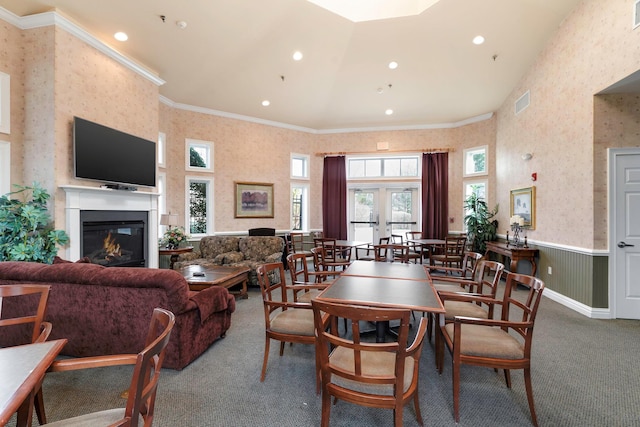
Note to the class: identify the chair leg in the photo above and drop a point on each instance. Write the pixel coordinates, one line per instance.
(326, 408)
(397, 416)
(507, 377)
(266, 357)
(416, 405)
(456, 390)
(39, 406)
(439, 339)
(282, 348)
(529, 388)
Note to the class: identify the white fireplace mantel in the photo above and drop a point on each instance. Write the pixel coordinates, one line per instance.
(104, 199)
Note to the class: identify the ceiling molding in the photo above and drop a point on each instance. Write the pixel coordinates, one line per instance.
(54, 18)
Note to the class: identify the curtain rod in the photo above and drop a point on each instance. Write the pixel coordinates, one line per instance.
(422, 150)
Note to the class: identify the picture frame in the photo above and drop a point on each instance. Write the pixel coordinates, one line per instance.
(253, 200)
(523, 203)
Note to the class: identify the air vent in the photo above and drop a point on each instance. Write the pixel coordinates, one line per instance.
(636, 14)
(522, 102)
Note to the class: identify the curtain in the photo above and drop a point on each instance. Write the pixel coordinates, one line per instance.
(435, 195)
(334, 197)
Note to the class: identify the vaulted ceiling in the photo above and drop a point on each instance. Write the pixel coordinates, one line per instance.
(231, 55)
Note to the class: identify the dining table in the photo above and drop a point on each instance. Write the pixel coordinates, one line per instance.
(427, 245)
(22, 370)
(382, 284)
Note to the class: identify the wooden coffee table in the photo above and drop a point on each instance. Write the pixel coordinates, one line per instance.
(199, 277)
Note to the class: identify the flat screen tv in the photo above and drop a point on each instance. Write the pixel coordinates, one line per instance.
(116, 158)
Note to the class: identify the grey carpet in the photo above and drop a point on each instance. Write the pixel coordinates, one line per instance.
(585, 373)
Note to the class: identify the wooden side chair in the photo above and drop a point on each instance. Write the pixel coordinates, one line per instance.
(296, 245)
(332, 256)
(28, 324)
(391, 253)
(383, 375)
(498, 344)
(452, 254)
(305, 284)
(369, 250)
(419, 249)
(285, 321)
(485, 282)
(144, 382)
(414, 256)
(469, 261)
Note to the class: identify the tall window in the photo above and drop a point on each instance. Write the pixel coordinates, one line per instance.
(162, 200)
(162, 138)
(479, 188)
(200, 206)
(476, 161)
(199, 155)
(5, 103)
(299, 206)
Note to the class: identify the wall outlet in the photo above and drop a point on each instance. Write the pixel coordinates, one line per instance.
(549, 270)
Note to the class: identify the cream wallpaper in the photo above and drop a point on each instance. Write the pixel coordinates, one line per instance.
(59, 76)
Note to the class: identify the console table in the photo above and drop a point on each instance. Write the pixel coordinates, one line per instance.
(514, 253)
(174, 253)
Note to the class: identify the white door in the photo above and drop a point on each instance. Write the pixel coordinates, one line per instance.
(382, 211)
(625, 233)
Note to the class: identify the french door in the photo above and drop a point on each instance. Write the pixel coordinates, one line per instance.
(381, 211)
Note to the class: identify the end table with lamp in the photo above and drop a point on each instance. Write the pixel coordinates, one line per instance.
(172, 238)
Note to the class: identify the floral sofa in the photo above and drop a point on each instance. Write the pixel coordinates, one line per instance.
(234, 251)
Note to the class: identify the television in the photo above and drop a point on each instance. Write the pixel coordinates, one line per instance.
(118, 159)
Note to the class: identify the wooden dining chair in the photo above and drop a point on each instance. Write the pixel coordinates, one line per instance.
(499, 344)
(332, 256)
(382, 375)
(453, 252)
(469, 261)
(296, 245)
(391, 253)
(416, 248)
(305, 284)
(485, 282)
(144, 382)
(22, 322)
(369, 250)
(397, 239)
(285, 320)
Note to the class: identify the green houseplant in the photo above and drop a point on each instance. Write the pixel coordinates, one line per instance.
(481, 226)
(26, 232)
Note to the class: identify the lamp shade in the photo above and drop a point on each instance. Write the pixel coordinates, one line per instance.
(168, 219)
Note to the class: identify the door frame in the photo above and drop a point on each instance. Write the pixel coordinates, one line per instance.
(613, 154)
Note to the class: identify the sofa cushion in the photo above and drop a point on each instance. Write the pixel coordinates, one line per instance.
(259, 248)
(212, 246)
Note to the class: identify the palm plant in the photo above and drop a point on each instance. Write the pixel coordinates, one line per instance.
(481, 226)
(26, 232)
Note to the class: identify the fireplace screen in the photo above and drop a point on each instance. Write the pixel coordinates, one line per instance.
(114, 243)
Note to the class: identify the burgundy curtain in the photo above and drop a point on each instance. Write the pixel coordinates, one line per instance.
(334, 197)
(435, 195)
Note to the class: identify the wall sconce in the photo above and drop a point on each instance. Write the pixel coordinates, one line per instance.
(527, 156)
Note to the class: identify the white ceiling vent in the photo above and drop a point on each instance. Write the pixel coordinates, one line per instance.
(522, 102)
(636, 14)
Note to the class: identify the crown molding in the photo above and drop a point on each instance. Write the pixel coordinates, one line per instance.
(55, 18)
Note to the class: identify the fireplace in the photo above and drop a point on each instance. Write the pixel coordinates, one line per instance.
(114, 238)
(111, 202)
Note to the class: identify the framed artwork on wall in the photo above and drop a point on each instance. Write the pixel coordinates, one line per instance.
(254, 200)
(523, 203)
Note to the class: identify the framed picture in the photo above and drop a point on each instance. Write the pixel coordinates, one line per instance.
(254, 200)
(523, 203)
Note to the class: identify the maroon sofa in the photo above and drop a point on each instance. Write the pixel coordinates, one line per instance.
(102, 310)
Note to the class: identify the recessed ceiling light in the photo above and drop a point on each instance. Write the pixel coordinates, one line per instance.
(297, 55)
(120, 36)
(478, 40)
(389, 112)
(265, 103)
(393, 65)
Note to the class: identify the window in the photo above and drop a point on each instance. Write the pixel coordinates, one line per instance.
(5, 103)
(162, 200)
(299, 207)
(5, 167)
(388, 167)
(199, 155)
(200, 206)
(475, 161)
(479, 188)
(162, 138)
(299, 166)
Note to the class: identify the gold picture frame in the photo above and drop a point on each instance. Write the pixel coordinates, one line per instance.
(253, 200)
(523, 203)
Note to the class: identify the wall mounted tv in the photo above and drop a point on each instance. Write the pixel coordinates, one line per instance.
(116, 158)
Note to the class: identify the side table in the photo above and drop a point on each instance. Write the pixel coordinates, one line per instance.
(174, 253)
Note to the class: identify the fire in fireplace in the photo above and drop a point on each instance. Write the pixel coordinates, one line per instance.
(114, 238)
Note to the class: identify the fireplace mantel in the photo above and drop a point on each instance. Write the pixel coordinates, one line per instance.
(96, 198)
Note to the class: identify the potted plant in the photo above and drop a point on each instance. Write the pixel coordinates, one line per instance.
(481, 226)
(26, 231)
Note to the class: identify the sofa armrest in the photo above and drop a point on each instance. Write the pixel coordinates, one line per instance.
(189, 256)
(275, 257)
(212, 300)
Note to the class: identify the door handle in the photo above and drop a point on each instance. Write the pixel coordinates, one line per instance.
(623, 245)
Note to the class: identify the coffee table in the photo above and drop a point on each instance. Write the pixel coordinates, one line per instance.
(200, 277)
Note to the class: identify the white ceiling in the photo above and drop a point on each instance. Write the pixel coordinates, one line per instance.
(233, 54)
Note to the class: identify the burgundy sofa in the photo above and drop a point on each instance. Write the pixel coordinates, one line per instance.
(107, 310)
